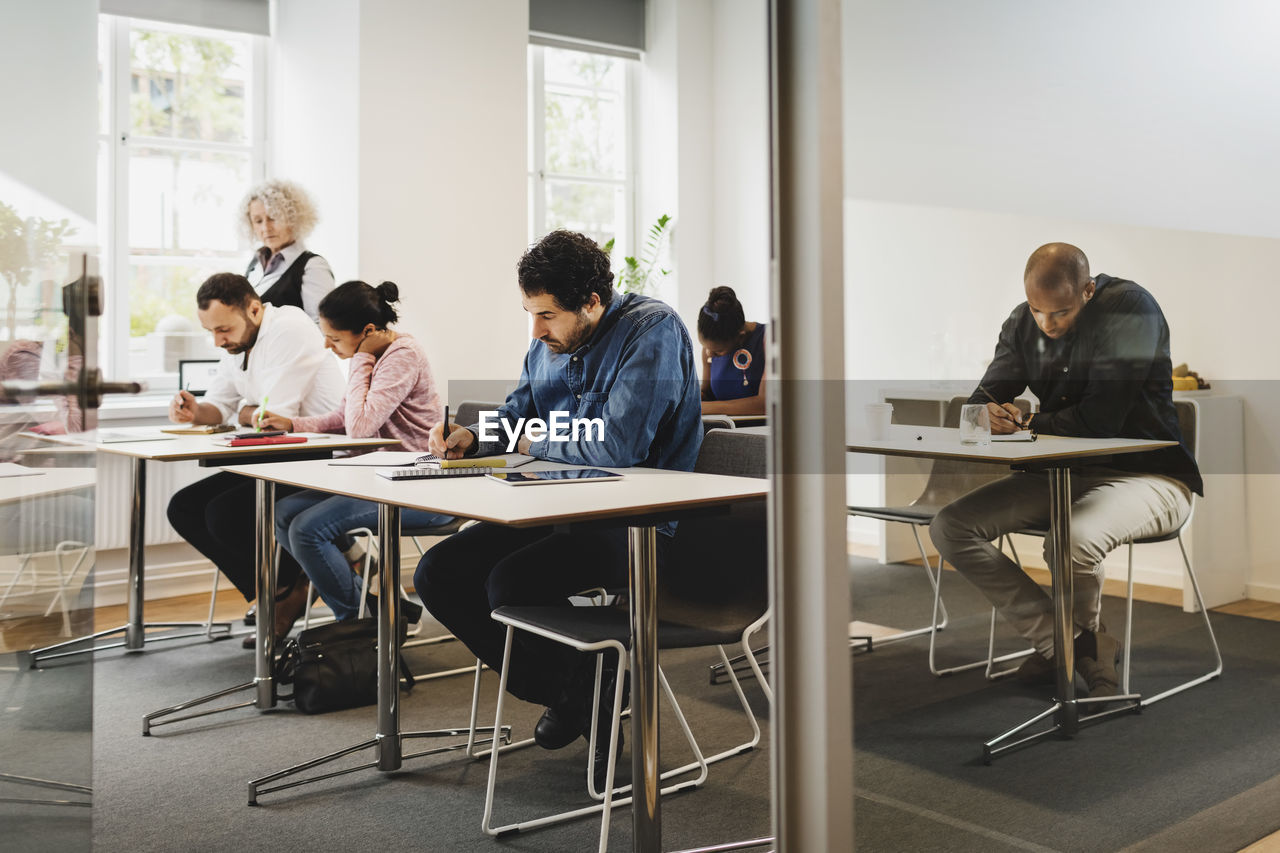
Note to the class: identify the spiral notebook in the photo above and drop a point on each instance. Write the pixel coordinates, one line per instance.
(420, 473)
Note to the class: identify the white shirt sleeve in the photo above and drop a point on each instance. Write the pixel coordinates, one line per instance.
(317, 281)
(223, 393)
(286, 361)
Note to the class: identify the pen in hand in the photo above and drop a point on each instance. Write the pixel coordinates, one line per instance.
(444, 431)
(1018, 420)
(260, 414)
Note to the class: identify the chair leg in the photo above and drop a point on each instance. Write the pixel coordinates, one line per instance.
(213, 603)
(1204, 613)
(988, 663)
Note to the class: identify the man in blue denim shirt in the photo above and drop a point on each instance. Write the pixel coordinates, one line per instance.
(623, 358)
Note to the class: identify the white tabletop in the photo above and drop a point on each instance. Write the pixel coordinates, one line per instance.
(640, 491)
(174, 448)
(42, 482)
(944, 442)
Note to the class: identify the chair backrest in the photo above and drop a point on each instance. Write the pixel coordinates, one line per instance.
(737, 453)
(710, 422)
(721, 560)
(1187, 423)
(468, 411)
(953, 478)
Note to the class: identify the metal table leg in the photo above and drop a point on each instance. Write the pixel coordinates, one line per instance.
(45, 783)
(388, 740)
(645, 806)
(263, 684)
(135, 629)
(1065, 710)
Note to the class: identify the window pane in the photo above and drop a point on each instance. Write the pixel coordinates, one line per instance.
(189, 87)
(585, 120)
(593, 209)
(577, 68)
(584, 134)
(185, 201)
(162, 313)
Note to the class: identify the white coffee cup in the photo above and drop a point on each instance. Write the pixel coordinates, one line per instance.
(879, 416)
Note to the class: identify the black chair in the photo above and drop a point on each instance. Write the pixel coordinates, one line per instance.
(713, 592)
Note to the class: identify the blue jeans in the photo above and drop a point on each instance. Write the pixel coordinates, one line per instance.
(309, 525)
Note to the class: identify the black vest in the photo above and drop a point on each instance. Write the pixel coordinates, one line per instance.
(287, 289)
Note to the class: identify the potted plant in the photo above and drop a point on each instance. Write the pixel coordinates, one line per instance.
(639, 276)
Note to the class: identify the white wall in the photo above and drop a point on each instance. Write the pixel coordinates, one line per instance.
(314, 118)
(49, 104)
(975, 132)
(1147, 112)
(442, 175)
(704, 147)
(408, 122)
(740, 154)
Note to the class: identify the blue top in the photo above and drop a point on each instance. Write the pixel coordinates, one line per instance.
(637, 374)
(727, 378)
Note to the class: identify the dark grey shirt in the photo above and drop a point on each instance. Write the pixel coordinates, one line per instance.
(1110, 377)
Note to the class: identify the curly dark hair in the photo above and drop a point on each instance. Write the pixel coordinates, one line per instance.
(231, 289)
(721, 318)
(568, 266)
(351, 306)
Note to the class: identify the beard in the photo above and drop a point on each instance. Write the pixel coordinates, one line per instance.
(246, 343)
(573, 339)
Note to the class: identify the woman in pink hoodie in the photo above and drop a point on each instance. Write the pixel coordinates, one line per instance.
(390, 394)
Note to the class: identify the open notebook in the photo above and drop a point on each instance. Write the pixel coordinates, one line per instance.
(412, 458)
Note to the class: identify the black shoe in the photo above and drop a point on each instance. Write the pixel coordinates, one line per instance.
(1036, 670)
(556, 729)
(251, 615)
(1096, 657)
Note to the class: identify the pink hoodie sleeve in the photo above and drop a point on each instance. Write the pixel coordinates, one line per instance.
(370, 404)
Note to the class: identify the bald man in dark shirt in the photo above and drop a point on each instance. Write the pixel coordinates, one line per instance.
(1095, 352)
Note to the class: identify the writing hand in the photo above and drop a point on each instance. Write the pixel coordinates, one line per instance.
(1005, 419)
(459, 441)
(270, 421)
(182, 408)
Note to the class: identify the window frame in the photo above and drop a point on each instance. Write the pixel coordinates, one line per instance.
(119, 142)
(625, 240)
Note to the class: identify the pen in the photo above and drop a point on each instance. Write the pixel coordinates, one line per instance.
(444, 430)
(262, 410)
(989, 396)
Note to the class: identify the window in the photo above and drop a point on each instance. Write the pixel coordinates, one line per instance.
(580, 161)
(180, 142)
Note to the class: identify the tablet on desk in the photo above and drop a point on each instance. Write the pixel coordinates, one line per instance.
(542, 478)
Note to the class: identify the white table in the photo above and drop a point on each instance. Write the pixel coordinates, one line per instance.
(1057, 453)
(207, 450)
(644, 498)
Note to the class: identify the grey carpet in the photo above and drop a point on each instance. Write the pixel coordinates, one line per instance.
(1196, 772)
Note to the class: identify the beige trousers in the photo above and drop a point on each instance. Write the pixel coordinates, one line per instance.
(1108, 508)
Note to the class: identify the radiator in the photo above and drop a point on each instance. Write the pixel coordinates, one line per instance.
(115, 499)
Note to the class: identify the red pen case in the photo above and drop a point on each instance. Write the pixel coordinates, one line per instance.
(270, 439)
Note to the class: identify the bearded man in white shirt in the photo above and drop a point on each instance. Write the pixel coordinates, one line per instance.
(272, 354)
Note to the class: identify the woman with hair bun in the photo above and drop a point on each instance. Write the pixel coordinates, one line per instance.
(732, 357)
(390, 394)
(280, 215)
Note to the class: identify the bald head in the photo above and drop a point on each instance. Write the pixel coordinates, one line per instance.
(1058, 287)
(1055, 266)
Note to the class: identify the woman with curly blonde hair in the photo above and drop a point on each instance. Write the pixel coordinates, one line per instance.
(279, 214)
